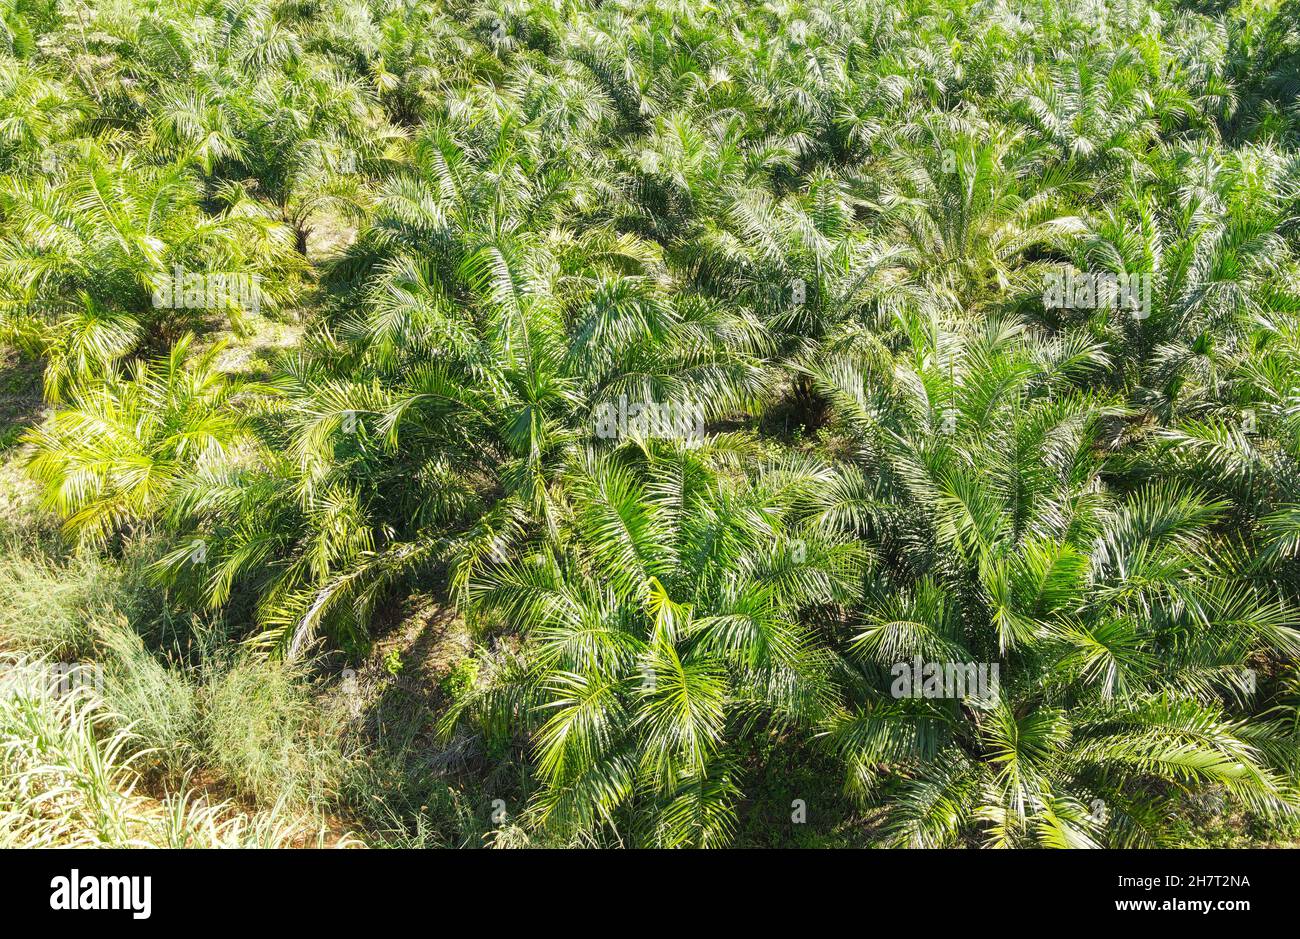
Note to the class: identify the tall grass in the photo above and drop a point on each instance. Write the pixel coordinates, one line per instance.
(46, 607)
(176, 717)
(68, 778)
(266, 736)
(49, 601)
(65, 772)
(163, 708)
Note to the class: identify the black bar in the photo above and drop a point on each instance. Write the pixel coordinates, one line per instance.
(365, 889)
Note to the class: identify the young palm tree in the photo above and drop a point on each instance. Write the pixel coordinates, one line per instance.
(1123, 632)
(85, 256)
(675, 621)
(111, 457)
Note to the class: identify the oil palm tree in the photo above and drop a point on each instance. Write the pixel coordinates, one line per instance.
(83, 255)
(1122, 628)
(674, 623)
(110, 459)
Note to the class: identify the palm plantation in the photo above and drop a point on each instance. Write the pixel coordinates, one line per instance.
(820, 236)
